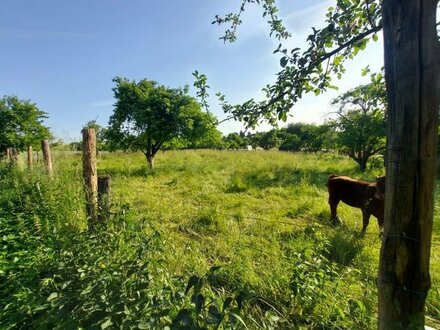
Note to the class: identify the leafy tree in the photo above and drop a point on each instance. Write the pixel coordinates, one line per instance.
(234, 141)
(147, 115)
(291, 142)
(270, 139)
(21, 124)
(312, 137)
(301, 130)
(412, 71)
(211, 140)
(361, 122)
(320, 137)
(254, 139)
(75, 146)
(205, 133)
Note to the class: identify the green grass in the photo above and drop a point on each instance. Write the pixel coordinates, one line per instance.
(248, 231)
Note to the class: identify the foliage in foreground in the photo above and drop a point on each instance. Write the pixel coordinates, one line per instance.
(202, 252)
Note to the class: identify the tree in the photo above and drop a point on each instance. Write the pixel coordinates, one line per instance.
(234, 141)
(360, 121)
(147, 115)
(412, 75)
(270, 139)
(291, 142)
(21, 124)
(320, 137)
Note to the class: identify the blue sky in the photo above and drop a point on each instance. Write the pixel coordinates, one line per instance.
(62, 54)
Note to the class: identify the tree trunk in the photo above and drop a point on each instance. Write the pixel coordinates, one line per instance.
(412, 78)
(363, 164)
(151, 151)
(150, 160)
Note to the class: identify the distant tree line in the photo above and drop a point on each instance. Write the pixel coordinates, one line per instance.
(150, 117)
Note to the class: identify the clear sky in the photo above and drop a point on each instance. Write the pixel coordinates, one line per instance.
(62, 55)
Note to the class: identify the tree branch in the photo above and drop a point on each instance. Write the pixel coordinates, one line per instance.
(323, 58)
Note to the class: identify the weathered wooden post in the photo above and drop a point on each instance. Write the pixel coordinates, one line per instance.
(8, 154)
(104, 197)
(14, 156)
(47, 156)
(412, 67)
(90, 174)
(29, 158)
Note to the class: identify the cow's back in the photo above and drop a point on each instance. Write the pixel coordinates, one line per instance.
(352, 192)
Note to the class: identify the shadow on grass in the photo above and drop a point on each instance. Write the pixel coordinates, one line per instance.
(142, 171)
(280, 177)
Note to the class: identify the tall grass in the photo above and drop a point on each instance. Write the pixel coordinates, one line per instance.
(207, 239)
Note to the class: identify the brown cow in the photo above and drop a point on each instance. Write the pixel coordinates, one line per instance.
(368, 196)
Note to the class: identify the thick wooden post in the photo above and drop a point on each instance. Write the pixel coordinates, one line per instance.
(412, 68)
(104, 197)
(14, 156)
(8, 154)
(47, 156)
(90, 174)
(29, 158)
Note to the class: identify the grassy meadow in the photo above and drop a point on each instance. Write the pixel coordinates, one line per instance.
(206, 240)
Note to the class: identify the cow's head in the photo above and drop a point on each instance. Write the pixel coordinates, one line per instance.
(380, 188)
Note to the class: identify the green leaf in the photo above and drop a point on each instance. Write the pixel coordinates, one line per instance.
(52, 296)
(193, 280)
(338, 59)
(235, 316)
(214, 269)
(198, 301)
(143, 326)
(106, 324)
(214, 313)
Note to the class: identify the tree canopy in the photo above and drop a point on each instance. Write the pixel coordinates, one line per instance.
(147, 115)
(360, 120)
(21, 124)
(350, 25)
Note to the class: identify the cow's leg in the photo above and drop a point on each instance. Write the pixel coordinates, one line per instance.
(333, 208)
(380, 223)
(365, 220)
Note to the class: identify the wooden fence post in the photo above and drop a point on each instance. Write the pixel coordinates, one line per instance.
(8, 154)
(104, 197)
(90, 174)
(29, 158)
(14, 156)
(47, 156)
